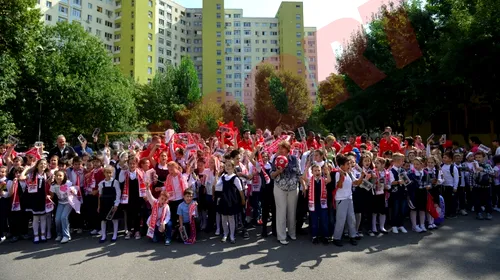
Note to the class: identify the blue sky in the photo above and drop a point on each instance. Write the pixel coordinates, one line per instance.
(317, 13)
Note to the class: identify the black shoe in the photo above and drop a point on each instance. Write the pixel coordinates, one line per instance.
(325, 241)
(353, 242)
(264, 234)
(246, 234)
(315, 240)
(337, 243)
(357, 237)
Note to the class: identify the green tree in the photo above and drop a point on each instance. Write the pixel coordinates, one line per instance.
(75, 87)
(278, 95)
(186, 83)
(204, 118)
(20, 31)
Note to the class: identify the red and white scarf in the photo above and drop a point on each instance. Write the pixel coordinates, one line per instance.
(256, 180)
(142, 186)
(192, 223)
(78, 174)
(32, 184)
(154, 217)
(16, 202)
(323, 198)
(169, 185)
(386, 181)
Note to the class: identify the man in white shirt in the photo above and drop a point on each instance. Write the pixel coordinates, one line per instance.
(496, 146)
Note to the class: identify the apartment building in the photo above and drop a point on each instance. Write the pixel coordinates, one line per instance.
(146, 36)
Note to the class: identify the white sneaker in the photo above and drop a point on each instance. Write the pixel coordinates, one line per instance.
(94, 232)
(284, 242)
(58, 238)
(472, 209)
(432, 226)
(217, 232)
(403, 230)
(422, 227)
(395, 230)
(496, 209)
(416, 229)
(2, 239)
(64, 240)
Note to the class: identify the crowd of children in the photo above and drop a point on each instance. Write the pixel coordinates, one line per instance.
(169, 190)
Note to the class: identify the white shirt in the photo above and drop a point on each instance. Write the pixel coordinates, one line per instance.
(178, 195)
(497, 178)
(152, 201)
(303, 161)
(209, 180)
(497, 152)
(450, 181)
(123, 175)
(346, 191)
(62, 196)
(219, 185)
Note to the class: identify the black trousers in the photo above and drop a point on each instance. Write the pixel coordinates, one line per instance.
(461, 192)
(483, 198)
(173, 212)
(268, 206)
(4, 211)
(89, 211)
(18, 222)
(495, 196)
(134, 213)
(302, 210)
(450, 200)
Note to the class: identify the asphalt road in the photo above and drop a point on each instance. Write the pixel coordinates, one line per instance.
(463, 248)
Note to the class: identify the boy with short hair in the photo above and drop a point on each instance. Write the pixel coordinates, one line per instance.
(187, 212)
(482, 186)
(398, 194)
(450, 184)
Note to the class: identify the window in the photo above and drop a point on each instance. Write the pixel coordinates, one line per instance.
(150, 59)
(297, 16)
(48, 4)
(99, 9)
(98, 20)
(48, 17)
(89, 18)
(247, 24)
(228, 33)
(237, 15)
(63, 9)
(219, 62)
(150, 70)
(131, 49)
(298, 35)
(108, 23)
(237, 24)
(274, 42)
(218, 25)
(160, 59)
(162, 22)
(150, 3)
(299, 53)
(219, 81)
(131, 73)
(118, 25)
(274, 33)
(297, 25)
(219, 52)
(150, 48)
(247, 32)
(229, 85)
(132, 26)
(169, 53)
(218, 34)
(116, 60)
(150, 25)
(132, 14)
(218, 15)
(131, 38)
(61, 19)
(299, 43)
(150, 36)
(150, 14)
(118, 36)
(131, 61)
(89, 5)
(247, 49)
(218, 6)
(161, 31)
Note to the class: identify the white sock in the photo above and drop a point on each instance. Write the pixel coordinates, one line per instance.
(422, 218)
(413, 218)
(430, 219)
(374, 222)
(103, 230)
(218, 221)
(115, 229)
(225, 226)
(382, 221)
(232, 226)
(36, 225)
(43, 224)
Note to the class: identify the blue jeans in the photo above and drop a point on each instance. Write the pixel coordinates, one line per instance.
(62, 222)
(167, 235)
(398, 211)
(319, 220)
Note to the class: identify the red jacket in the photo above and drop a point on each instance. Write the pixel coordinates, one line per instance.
(313, 144)
(393, 146)
(247, 145)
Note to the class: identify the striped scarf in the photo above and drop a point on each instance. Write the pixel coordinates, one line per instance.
(323, 198)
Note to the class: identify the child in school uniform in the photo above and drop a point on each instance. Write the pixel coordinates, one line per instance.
(109, 200)
(398, 195)
(382, 187)
(229, 200)
(4, 202)
(76, 175)
(482, 186)
(462, 184)
(175, 185)
(18, 218)
(436, 179)
(38, 199)
(450, 184)
(344, 181)
(91, 195)
(159, 223)
(417, 195)
(318, 206)
(187, 211)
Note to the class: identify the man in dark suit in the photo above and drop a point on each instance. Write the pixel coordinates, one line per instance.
(62, 150)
